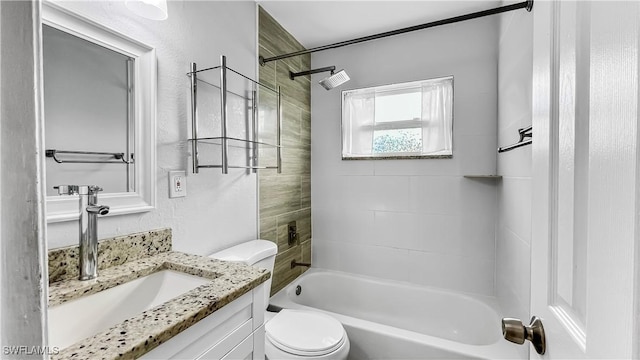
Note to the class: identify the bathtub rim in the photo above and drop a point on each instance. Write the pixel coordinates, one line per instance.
(500, 349)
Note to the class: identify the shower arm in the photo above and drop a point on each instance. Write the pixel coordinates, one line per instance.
(528, 5)
(293, 75)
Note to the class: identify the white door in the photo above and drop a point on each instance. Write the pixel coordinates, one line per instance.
(585, 178)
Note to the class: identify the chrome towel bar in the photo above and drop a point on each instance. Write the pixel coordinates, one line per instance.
(524, 134)
(118, 158)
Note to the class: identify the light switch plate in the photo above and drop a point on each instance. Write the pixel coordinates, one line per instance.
(177, 184)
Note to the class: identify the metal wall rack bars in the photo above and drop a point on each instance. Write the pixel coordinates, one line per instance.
(252, 142)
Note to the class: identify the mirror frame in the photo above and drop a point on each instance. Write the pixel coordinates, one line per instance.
(65, 208)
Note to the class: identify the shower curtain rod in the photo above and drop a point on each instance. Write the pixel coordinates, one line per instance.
(523, 5)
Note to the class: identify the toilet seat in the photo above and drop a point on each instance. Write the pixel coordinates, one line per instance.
(305, 333)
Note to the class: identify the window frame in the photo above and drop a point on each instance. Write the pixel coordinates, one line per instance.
(403, 123)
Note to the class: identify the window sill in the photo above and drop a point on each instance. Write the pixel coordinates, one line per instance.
(397, 157)
(495, 177)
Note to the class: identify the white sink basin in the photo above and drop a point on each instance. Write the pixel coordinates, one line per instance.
(78, 319)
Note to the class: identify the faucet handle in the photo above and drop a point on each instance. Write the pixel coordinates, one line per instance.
(94, 189)
(67, 189)
(78, 189)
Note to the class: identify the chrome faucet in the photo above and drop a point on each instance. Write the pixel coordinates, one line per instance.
(89, 211)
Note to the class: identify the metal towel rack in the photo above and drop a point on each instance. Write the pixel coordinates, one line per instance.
(252, 141)
(524, 134)
(118, 158)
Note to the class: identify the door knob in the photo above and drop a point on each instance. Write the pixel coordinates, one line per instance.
(516, 332)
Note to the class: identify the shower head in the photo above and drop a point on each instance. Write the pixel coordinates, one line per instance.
(334, 80)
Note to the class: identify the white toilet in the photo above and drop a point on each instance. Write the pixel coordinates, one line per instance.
(291, 334)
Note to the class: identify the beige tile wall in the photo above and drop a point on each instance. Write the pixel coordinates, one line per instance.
(287, 196)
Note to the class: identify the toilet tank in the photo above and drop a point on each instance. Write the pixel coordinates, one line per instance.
(258, 253)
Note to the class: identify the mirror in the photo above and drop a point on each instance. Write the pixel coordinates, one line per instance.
(99, 111)
(88, 113)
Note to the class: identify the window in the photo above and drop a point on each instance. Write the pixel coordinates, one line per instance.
(408, 120)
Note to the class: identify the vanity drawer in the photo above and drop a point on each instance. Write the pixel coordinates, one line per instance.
(235, 317)
(227, 345)
(244, 350)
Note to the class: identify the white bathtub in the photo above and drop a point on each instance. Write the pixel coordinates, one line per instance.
(393, 320)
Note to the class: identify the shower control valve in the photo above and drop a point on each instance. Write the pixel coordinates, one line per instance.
(292, 233)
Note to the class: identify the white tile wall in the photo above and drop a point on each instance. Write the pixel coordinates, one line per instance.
(514, 192)
(378, 261)
(412, 220)
(384, 193)
(513, 268)
(474, 153)
(396, 229)
(415, 167)
(353, 226)
(439, 233)
(515, 206)
(436, 194)
(473, 120)
(326, 254)
(470, 274)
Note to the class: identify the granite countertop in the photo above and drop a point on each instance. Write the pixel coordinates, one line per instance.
(139, 334)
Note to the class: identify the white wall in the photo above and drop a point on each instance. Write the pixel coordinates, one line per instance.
(219, 210)
(514, 192)
(412, 220)
(3, 291)
(22, 265)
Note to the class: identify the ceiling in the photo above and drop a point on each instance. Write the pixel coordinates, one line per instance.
(315, 23)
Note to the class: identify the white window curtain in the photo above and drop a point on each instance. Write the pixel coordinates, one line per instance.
(358, 114)
(437, 117)
(359, 123)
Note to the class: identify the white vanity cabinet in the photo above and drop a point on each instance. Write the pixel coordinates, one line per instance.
(236, 331)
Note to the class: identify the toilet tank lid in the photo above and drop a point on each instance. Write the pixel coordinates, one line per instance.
(248, 253)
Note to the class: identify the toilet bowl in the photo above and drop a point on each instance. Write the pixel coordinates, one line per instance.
(291, 334)
(299, 334)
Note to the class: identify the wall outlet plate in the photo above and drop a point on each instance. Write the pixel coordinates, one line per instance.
(177, 183)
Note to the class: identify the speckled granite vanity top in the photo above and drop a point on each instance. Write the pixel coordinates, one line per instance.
(139, 334)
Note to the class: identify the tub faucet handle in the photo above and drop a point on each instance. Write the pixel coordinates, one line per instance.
(513, 330)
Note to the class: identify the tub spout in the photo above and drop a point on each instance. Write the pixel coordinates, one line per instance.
(294, 263)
